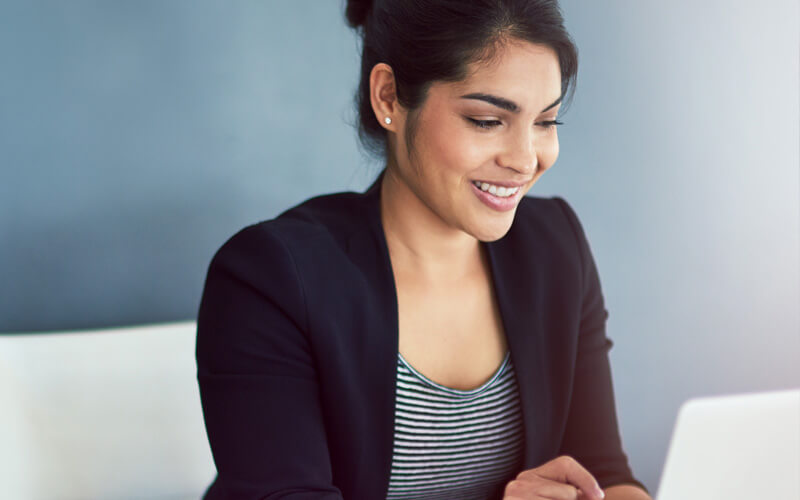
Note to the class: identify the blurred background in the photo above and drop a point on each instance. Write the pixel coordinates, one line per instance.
(136, 137)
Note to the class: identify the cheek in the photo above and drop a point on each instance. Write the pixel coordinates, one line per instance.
(547, 152)
(451, 147)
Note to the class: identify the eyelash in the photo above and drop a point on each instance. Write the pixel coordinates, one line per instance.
(488, 124)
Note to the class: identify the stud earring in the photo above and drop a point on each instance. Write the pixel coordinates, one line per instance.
(387, 120)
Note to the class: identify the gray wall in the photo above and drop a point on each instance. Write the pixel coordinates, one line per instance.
(135, 137)
(681, 156)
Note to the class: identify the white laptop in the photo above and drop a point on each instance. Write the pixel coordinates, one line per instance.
(741, 447)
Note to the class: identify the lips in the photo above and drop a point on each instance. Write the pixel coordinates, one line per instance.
(498, 203)
(506, 184)
(500, 191)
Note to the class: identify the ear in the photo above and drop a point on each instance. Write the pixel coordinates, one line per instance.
(383, 96)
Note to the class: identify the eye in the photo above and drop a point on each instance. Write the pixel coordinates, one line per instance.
(484, 124)
(550, 124)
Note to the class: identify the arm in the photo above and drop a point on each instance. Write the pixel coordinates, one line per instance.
(592, 435)
(258, 384)
(626, 492)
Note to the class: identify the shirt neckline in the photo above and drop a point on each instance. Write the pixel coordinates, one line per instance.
(459, 392)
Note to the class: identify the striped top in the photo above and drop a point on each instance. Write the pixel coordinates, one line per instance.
(451, 443)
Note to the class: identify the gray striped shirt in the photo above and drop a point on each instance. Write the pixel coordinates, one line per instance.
(450, 443)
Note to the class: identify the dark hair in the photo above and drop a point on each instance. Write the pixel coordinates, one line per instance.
(435, 40)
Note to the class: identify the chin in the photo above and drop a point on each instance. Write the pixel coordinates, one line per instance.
(493, 231)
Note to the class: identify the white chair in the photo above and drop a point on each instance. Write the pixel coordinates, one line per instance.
(107, 414)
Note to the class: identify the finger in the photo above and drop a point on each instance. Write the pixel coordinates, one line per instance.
(540, 488)
(567, 470)
(554, 490)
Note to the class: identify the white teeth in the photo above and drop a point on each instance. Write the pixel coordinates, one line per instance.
(498, 191)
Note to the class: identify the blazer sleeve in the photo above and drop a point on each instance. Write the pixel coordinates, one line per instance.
(258, 384)
(591, 433)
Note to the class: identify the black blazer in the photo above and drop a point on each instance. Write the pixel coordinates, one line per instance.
(297, 342)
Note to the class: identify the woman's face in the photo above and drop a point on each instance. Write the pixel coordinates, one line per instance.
(493, 129)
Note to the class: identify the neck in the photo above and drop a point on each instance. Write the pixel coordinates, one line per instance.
(421, 243)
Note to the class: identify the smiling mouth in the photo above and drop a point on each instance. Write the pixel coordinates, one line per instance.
(496, 189)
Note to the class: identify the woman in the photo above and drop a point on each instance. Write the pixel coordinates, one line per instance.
(439, 335)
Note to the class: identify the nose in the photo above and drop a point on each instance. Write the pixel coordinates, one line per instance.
(519, 152)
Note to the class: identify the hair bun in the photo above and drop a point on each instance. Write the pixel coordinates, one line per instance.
(357, 12)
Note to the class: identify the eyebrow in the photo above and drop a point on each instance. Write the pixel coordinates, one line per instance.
(503, 103)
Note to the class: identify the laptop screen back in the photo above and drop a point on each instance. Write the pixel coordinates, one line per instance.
(735, 447)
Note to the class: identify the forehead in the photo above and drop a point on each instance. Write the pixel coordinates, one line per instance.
(528, 74)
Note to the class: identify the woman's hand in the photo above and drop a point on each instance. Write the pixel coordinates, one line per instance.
(559, 479)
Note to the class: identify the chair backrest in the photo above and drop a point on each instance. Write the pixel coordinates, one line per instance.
(106, 414)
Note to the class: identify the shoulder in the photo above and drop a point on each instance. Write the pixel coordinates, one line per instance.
(320, 223)
(549, 220)
(553, 213)
(273, 263)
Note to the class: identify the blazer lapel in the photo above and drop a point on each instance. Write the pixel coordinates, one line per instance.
(514, 277)
(368, 250)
